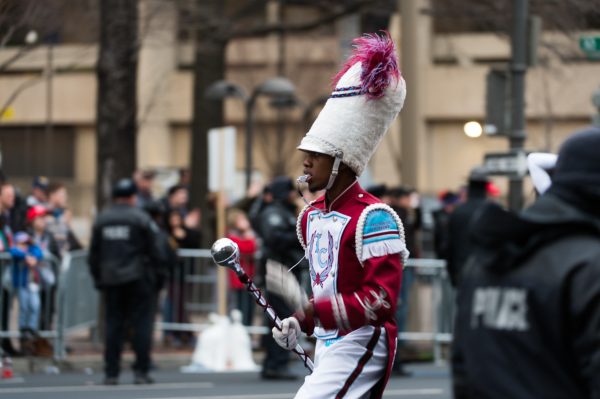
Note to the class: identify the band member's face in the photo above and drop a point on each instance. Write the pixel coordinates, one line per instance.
(318, 167)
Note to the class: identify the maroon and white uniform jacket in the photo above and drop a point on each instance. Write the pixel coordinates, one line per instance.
(355, 251)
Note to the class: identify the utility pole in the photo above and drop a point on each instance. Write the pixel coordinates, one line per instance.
(518, 69)
(49, 128)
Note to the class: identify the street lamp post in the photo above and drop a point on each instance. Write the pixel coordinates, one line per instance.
(307, 116)
(518, 70)
(278, 87)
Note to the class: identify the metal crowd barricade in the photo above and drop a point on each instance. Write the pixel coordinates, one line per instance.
(196, 277)
(442, 304)
(9, 327)
(191, 289)
(77, 299)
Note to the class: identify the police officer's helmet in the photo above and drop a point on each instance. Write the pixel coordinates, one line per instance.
(124, 188)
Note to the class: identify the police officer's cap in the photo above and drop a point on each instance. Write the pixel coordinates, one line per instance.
(124, 188)
(280, 187)
(478, 175)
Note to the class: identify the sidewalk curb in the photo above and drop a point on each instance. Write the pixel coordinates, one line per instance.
(93, 361)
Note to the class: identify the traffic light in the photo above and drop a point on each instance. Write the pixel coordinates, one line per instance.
(497, 103)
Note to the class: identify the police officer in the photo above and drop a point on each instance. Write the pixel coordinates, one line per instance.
(123, 262)
(528, 320)
(459, 244)
(276, 226)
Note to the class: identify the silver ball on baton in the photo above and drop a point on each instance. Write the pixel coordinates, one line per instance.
(226, 253)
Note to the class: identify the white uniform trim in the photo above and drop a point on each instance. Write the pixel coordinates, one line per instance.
(343, 312)
(336, 312)
(299, 225)
(371, 307)
(360, 227)
(339, 312)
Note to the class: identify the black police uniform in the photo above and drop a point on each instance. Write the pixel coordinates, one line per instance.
(459, 242)
(528, 320)
(123, 261)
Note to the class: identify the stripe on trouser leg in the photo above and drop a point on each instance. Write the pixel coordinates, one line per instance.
(361, 363)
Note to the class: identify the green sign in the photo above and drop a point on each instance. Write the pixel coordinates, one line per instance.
(590, 45)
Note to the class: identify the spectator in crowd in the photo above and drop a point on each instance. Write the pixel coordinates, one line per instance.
(441, 219)
(184, 177)
(39, 192)
(277, 228)
(250, 199)
(26, 282)
(143, 181)
(459, 241)
(257, 206)
(174, 308)
(59, 219)
(240, 232)
(12, 218)
(183, 236)
(441, 237)
(36, 221)
(13, 207)
(165, 247)
(6, 241)
(528, 319)
(492, 191)
(123, 262)
(404, 201)
(176, 200)
(382, 192)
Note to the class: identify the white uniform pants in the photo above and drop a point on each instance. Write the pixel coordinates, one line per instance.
(345, 368)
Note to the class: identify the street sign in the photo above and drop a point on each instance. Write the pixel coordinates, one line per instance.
(511, 164)
(590, 45)
(221, 159)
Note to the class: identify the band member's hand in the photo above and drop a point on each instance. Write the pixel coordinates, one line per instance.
(287, 338)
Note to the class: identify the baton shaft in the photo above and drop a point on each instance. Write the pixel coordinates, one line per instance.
(262, 302)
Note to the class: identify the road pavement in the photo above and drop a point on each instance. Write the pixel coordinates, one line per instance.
(427, 382)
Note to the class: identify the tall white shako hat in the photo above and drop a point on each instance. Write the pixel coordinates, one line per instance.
(368, 95)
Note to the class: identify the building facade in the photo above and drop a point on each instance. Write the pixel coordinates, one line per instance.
(48, 125)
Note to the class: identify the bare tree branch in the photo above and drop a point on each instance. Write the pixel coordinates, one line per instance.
(8, 35)
(300, 27)
(23, 50)
(37, 79)
(26, 84)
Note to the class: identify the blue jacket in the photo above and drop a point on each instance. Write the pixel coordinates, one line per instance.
(20, 271)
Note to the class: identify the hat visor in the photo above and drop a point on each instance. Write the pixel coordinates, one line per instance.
(310, 145)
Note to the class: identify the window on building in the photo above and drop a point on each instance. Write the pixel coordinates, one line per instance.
(31, 151)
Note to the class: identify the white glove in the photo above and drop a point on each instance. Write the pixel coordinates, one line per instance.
(287, 338)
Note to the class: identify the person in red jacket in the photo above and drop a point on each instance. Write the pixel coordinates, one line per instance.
(353, 242)
(240, 232)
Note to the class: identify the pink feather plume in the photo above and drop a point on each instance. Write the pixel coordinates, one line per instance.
(379, 64)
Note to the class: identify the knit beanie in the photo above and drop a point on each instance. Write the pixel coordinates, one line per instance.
(578, 160)
(576, 177)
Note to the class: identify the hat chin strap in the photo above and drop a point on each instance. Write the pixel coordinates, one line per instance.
(334, 170)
